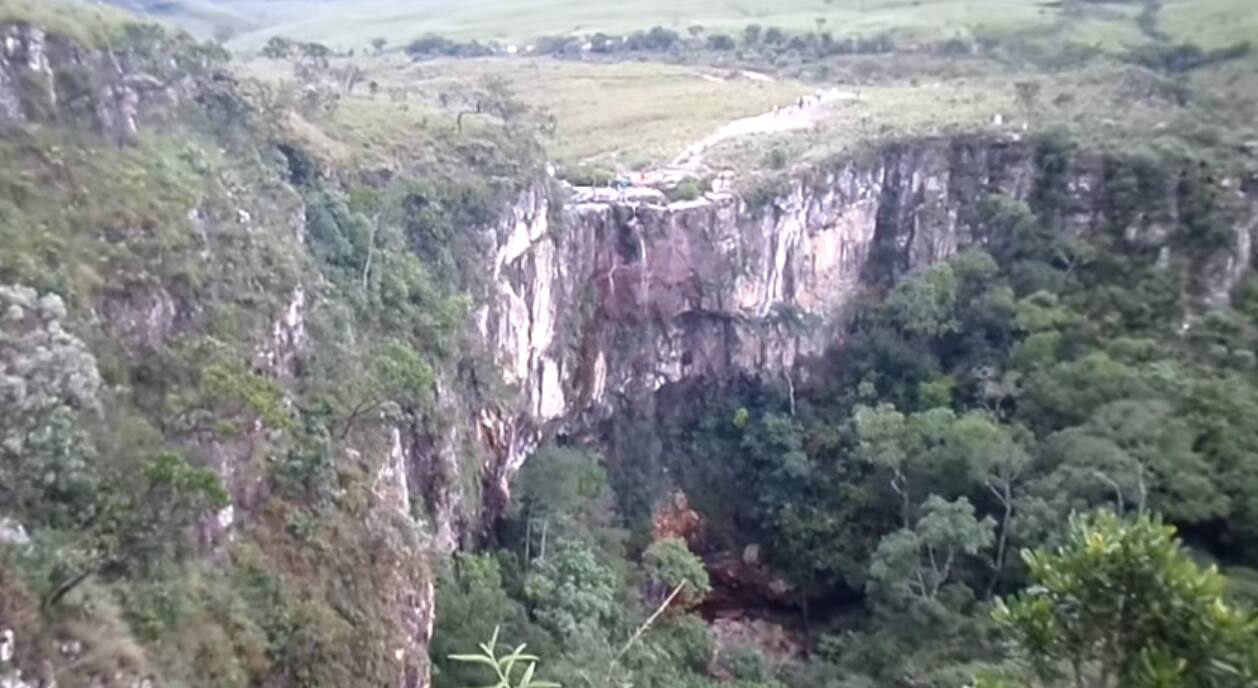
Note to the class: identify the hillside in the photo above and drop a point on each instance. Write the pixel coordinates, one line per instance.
(915, 347)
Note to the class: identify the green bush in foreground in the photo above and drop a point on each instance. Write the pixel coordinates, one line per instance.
(1120, 603)
(504, 667)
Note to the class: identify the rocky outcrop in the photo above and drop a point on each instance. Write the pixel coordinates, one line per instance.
(46, 76)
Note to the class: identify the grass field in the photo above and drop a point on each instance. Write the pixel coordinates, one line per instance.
(628, 114)
(347, 24)
(351, 23)
(620, 114)
(624, 114)
(1104, 106)
(1211, 23)
(634, 115)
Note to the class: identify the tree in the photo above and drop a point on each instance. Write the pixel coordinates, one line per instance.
(1028, 92)
(1001, 463)
(142, 522)
(751, 34)
(493, 96)
(378, 44)
(911, 568)
(669, 564)
(49, 389)
(152, 528)
(723, 42)
(230, 400)
(1069, 392)
(348, 77)
(924, 305)
(1138, 455)
(570, 590)
(1121, 603)
(882, 433)
(315, 53)
(278, 48)
(658, 39)
(389, 380)
(923, 452)
(562, 493)
(472, 602)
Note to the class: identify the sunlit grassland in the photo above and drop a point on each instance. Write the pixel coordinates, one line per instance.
(519, 20)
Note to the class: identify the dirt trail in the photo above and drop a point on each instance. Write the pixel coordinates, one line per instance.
(806, 112)
(800, 115)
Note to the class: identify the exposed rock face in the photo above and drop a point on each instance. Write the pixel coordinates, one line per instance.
(626, 297)
(45, 76)
(409, 583)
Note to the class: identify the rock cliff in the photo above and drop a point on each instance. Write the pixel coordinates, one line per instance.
(617, 300)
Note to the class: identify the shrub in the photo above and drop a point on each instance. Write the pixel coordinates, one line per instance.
(687, 190)
(582, 175)
(668, 564)
(721, 41)
(776, 159)
(431, 45)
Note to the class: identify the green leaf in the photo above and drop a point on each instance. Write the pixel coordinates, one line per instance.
(475, 659)
(527, 679)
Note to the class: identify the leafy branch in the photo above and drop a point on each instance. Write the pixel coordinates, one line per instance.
(504, 666)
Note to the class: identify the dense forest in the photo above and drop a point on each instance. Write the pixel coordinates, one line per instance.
(985, 462)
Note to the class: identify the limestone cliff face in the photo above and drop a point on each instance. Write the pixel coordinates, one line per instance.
(593, 305)
(617, 299)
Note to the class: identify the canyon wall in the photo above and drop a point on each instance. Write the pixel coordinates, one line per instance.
(620, 299)
(588, 306)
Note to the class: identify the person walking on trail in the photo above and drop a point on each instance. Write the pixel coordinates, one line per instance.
(622, 185)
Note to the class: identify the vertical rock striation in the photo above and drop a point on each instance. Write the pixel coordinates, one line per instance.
(613, 300)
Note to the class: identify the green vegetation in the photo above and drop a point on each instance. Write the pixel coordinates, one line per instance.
(970, 411)
(163, 372)
(564, 582)
(508, 20)
(670, 566)
(622, 115)
(96, 26)
(248, 407)
(612, 108)
(504, 667)
(1123, 604)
